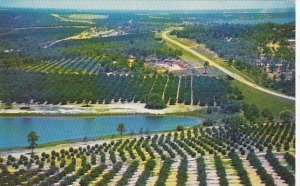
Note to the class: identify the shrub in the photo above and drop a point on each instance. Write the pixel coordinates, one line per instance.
(286, 116)
(221, 171)
(149, 166)
(209, 110)
(164, 172)
(128, 174)
(180, 128)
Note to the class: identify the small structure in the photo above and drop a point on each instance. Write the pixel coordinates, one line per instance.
(166, 63)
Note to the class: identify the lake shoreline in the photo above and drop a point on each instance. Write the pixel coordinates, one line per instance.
(68, 129)
(79, 142)
(89, 116)
(78, 110)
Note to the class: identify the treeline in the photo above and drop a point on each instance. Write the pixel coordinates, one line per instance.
(138, 45)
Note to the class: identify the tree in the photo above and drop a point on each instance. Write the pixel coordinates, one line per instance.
(206, 65)
(235, 120)
(155, 101)
(209, 110)
(266, 113)
(286, 116)
(272, 67)
(180, 128)
(7, 96)
(208, 122)
(88, 97)
(32, 138)
(147, 132)
(141, 132)
(251, 112)
(121, 129)
(282, 76)
(231, 106)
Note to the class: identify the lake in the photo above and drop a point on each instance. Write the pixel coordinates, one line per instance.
(13, 131)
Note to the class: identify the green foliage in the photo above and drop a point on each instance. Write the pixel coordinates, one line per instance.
(121, 129)
(139, 45)
(206, 65)
(236, 138)
(128, 174)
(266, 113)
(110, 175)
(208, 122)
(279, 169)
(202, 176)
(238, 164)
(221, 171)
(251, 112)
(164, 172)
(265, 177)
(290, 159)
(155, 101)
(247, 48)
(180, 128)
(209, 110)
(32, 138)
(182, 172)
(61, 88)
(286, 116)
(264, 101)
(231, 106)
(92, 175)
(149, 166)
(235, 121)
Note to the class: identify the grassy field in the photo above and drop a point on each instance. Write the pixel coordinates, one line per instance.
(262, 100)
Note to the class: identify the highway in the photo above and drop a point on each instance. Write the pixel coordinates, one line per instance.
(166, 37)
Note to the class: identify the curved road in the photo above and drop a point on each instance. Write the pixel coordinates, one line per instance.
(229, 73)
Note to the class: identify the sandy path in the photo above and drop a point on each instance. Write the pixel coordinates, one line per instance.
(172, 178)
(231, 173)
(270, 170)
(178, 89)
(153, 84)
(119, 175)
(163, 95)
(136, 175)
(18, 152)
(192, 172)
(211, 172)
(192, 94)
(113, 108)
(254, 177)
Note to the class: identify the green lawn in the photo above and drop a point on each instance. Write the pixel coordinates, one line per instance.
(263, 100)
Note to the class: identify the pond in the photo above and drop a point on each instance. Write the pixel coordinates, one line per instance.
(13, 131)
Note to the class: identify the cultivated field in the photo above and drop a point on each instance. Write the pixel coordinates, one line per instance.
(222, 155)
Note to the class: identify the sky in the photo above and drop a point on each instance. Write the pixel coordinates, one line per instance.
(148, 4)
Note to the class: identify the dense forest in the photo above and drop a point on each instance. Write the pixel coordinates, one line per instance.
(265, 52)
